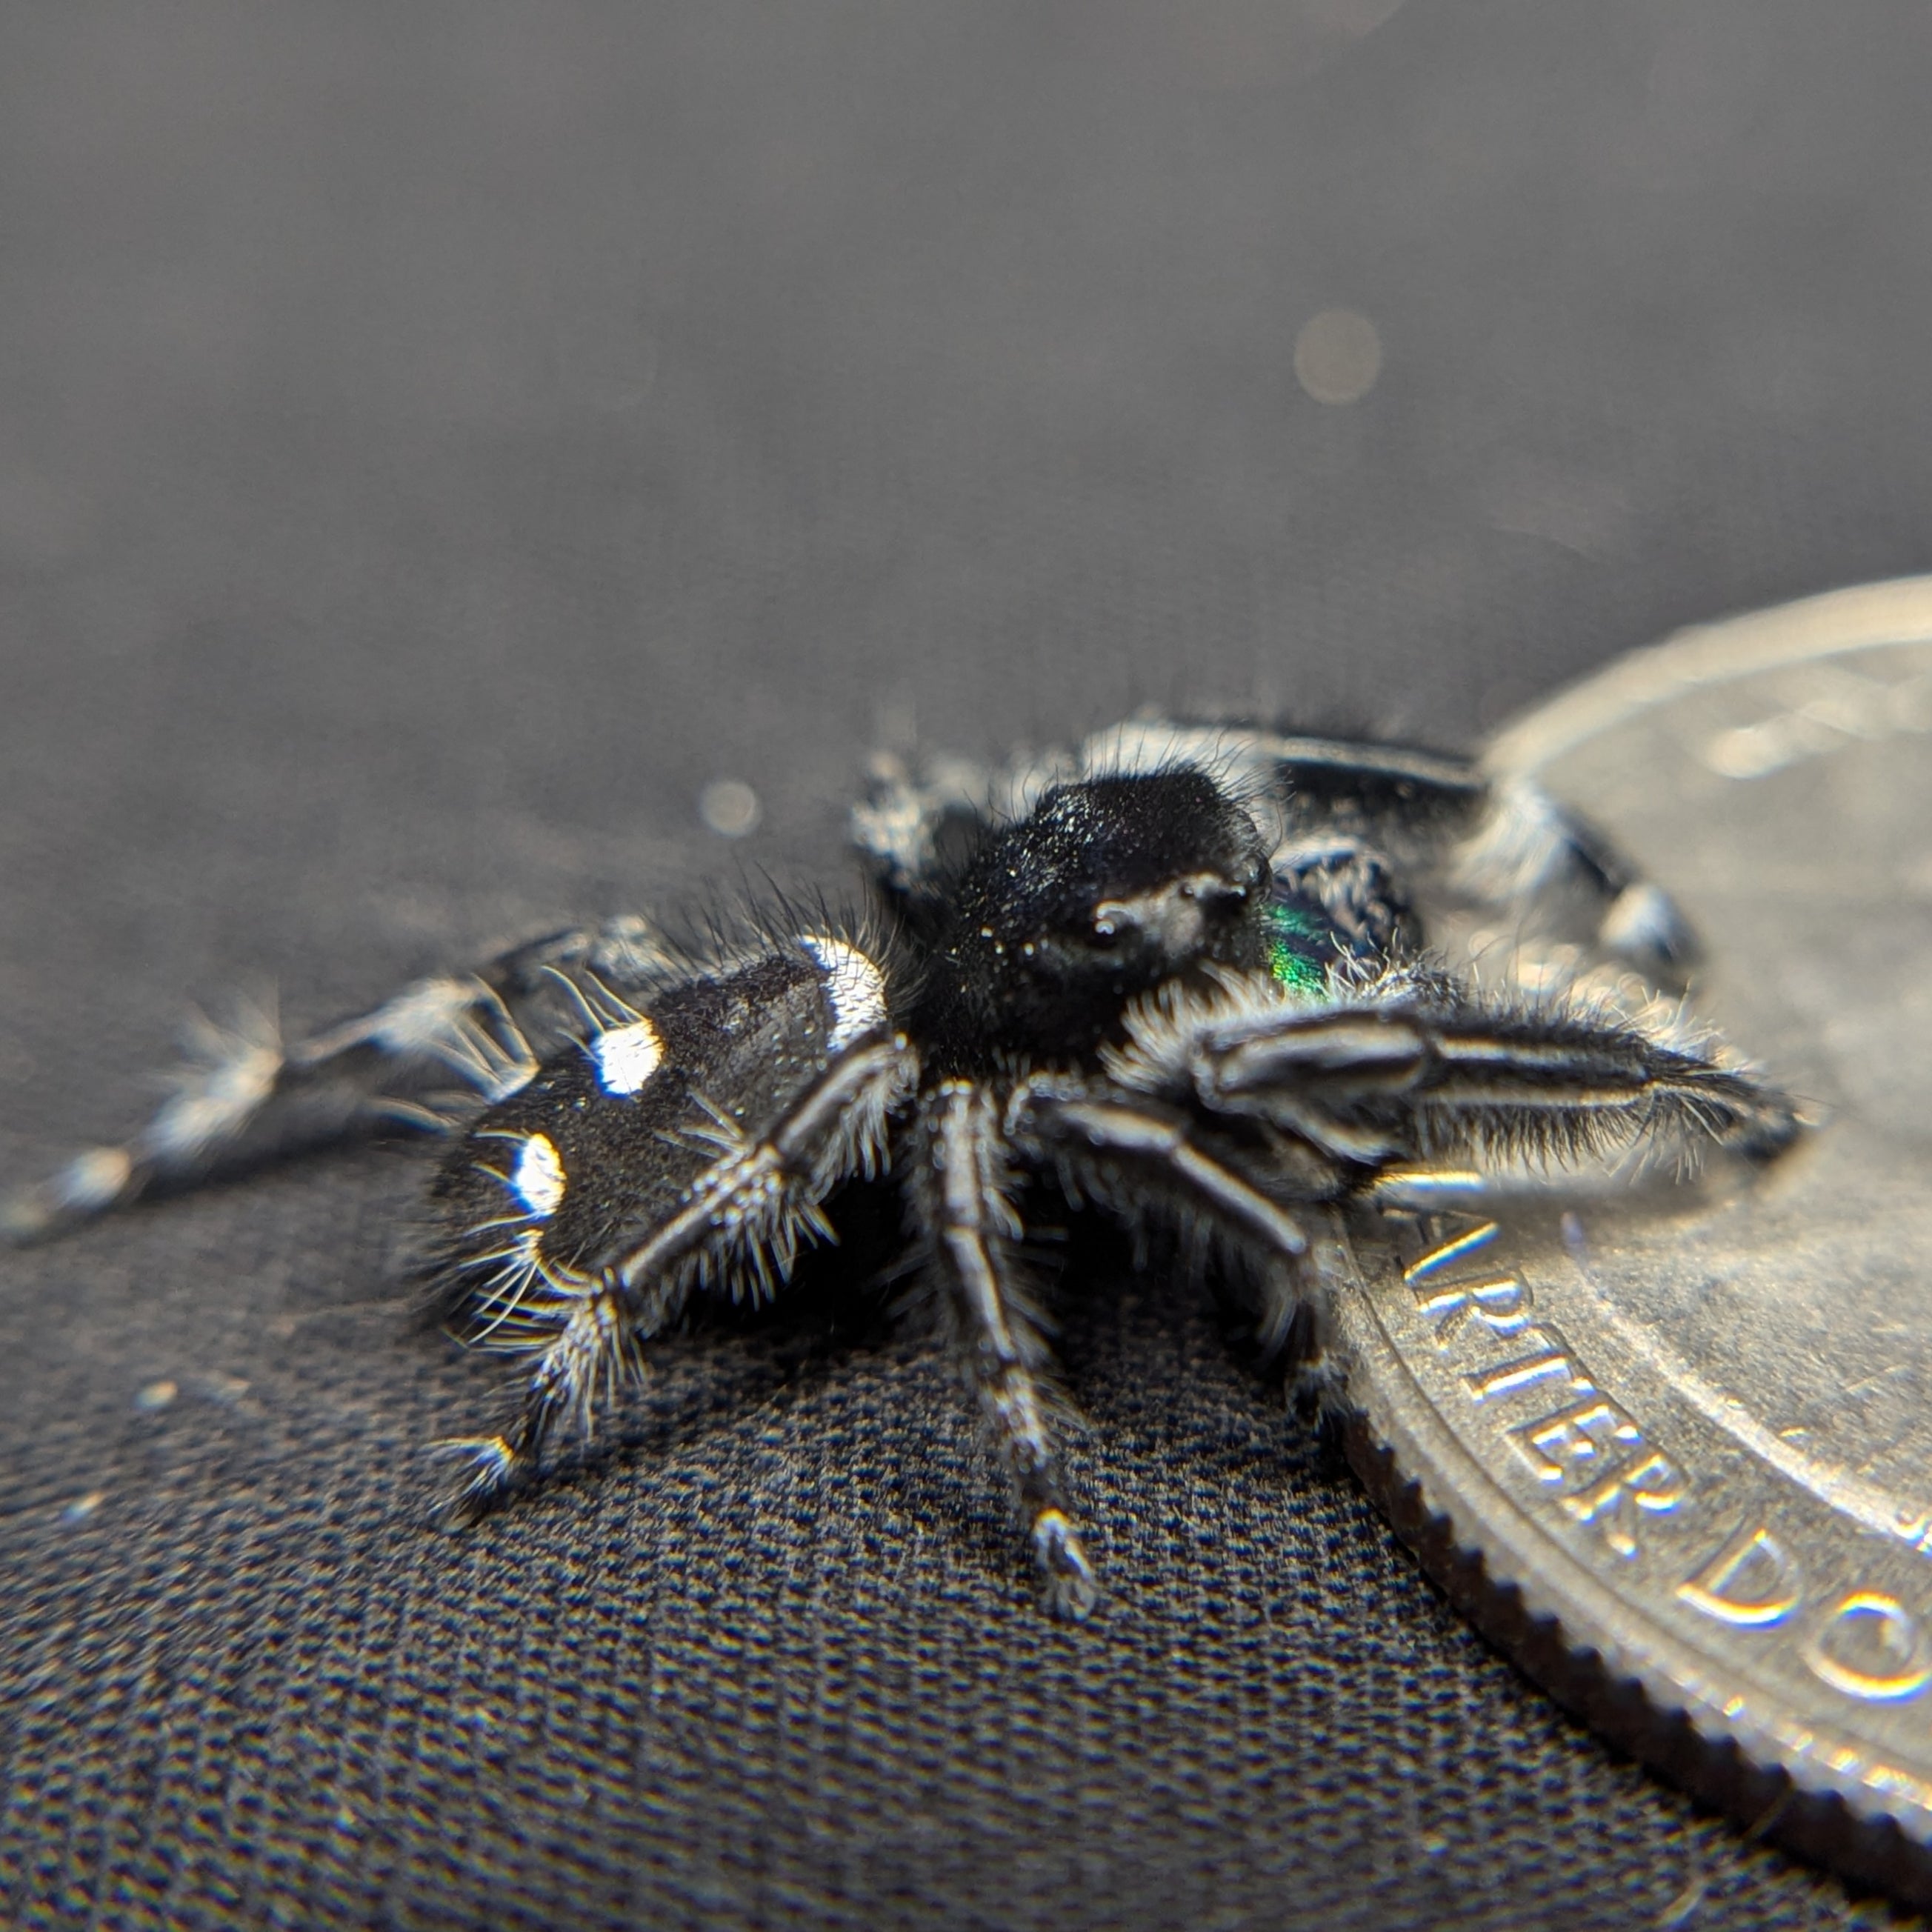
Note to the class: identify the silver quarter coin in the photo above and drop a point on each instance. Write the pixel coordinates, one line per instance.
(1674, 1452)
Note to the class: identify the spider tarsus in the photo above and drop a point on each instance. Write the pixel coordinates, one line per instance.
(1315, 1384)
(1071, 1587)
(90, 1184)
(497, 1471)
(27, 1215)
(1770, 1127)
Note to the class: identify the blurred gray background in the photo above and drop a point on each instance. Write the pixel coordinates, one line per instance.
(437, 444)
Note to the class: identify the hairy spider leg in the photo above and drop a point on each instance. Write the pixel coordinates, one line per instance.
(898, 826)
(1126, 1153)
(965, 1205)
(1413, 1067)
(1527, 857)
(425, 1058)
(1112, 1148)
(1502, 843)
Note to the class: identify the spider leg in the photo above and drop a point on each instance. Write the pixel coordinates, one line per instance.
(965, 1206)
(1352, 811)
(1527, 857)
(425, 1058)
(899, 826)
(1127, 1152)
(1413, 1068)
(689, 1146)
(911, 825)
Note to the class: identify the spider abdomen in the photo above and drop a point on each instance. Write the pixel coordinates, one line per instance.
(554, 1186)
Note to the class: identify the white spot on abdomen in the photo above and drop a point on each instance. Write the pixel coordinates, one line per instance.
(627, 1056)
(537, 1179)
(854, 989)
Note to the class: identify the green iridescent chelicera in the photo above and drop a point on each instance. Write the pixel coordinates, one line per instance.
(1300, 947)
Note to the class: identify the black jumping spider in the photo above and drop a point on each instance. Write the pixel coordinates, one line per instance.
(1179, 973)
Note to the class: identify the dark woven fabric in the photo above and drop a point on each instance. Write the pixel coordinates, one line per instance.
(435, 442)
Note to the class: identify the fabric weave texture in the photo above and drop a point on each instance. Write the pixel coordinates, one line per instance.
(443, 441)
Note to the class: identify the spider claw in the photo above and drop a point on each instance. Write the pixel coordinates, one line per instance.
(89, 1184)
(1072, 1588)
(1761, 1138)
(495, 1467)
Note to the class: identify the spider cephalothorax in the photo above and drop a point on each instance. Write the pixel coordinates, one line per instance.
(1106, 888)
(1179, 972)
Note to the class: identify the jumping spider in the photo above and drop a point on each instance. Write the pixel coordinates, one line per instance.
(1179, 972)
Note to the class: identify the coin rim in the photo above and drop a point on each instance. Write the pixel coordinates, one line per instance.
(1896, 611)
(1643, 1689)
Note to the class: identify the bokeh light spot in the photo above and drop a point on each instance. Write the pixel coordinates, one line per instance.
(1338, 355)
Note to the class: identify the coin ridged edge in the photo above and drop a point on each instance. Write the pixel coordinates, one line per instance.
(1635, 1706)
